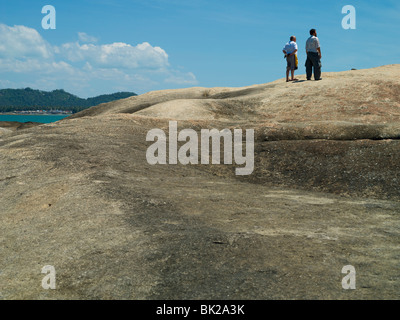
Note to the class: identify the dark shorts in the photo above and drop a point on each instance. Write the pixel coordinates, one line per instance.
(291, 63)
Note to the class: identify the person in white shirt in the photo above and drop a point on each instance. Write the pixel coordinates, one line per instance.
(290, 51)
(313, 50)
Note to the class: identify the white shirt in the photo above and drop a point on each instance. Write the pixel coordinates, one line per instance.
(312, 44)
(290, 47)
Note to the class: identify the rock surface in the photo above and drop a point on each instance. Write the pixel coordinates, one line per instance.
(8, 126)
(79, 195)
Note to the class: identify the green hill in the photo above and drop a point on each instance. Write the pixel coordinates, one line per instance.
(30, 99)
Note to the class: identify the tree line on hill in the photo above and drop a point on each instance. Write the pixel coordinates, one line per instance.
(29, 99)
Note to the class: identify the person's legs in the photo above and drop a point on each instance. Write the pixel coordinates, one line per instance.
(287, 68)
(317, 69)
(309, 66)
(290, 67)
(316, 63)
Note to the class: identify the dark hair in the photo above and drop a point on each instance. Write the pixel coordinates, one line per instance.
(292, 38)
(312, 31)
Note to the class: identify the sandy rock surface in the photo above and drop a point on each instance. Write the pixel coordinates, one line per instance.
(80, 195)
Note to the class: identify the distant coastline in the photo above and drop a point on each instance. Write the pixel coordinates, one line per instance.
(38, 118)
(30, 101)
(36, 113)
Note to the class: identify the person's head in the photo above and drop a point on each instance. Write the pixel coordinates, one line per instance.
(293, 38)
(313, 32)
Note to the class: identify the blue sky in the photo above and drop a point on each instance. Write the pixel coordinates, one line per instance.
(143, 45)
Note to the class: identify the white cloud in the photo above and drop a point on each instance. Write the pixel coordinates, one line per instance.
(20, 42)
(87, 69)
(116, 55)
(84, 37)
(182, 78)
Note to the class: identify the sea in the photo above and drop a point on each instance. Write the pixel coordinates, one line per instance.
(32, 118)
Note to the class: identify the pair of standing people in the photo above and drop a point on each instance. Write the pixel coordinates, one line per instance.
(313, 50)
